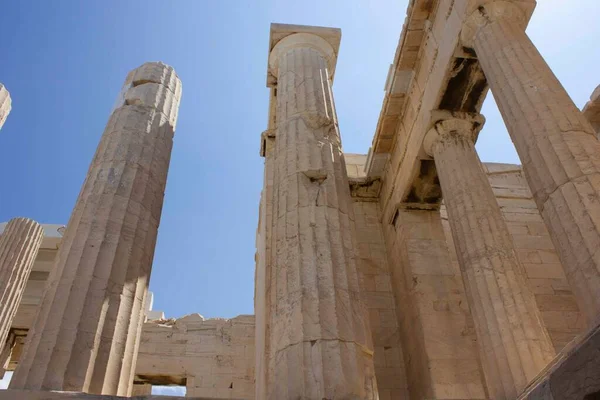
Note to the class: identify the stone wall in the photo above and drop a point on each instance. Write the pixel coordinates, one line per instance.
(212, 358)
(377, 290)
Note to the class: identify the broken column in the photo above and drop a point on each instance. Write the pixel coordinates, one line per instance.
(555, 142)
(19, 245)
(513, 342)
(86, 334)
(320, 344)
(5, 104)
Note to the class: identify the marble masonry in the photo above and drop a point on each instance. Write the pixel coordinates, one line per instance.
(413, 271)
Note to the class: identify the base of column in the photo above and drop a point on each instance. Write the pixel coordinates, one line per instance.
(43, 395)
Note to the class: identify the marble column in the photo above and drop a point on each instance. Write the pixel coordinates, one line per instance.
(555, 142)
(320, 342)
(513, 342)
(5, 104)
(19, 245)
(86, 335)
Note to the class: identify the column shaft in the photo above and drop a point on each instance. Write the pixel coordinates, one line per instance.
(19, 245)
(513, 342)
(320, 341)
(558, 149)
(86, 334)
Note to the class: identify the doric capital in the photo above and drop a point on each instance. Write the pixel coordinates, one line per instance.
(492, 11)
(302, 40)
(449, 123)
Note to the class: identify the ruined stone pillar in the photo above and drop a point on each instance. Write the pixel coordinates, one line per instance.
(513, 342)
(86, 335)
(320, 344)
(5, 104)
(19, 245)
(556, 144)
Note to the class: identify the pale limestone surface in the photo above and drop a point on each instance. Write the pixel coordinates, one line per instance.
(86, 335)
(573, 374)
(319, 340)
(45, 395)
(556, 143)
(339, 240)
(19, 244)
(436, 328)
(212, 358)
(513, 343)
(5, 104)
(592, 110)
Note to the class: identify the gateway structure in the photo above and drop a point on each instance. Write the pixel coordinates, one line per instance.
(412, 272)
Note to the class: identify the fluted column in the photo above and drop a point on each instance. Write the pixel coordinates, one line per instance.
(320, 341)
(86, 335)
(19, 245)
(513, 342)
(5, 104)
(556, 144)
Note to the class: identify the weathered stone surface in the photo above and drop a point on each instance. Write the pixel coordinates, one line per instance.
(574, 373)
(19, 244)
(377, 289)
(436, 327)
(45, 395)
(513, 342)
(556, 143)
(5, 104)
(592, 110)
(86, 335)
(320, 343)
(212, 358)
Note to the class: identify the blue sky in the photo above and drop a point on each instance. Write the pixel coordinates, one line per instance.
(64, 63)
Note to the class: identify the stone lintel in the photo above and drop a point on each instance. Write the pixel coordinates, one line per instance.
(574, 373)
(280, 31)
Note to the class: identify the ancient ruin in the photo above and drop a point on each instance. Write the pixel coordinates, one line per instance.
(414, 271)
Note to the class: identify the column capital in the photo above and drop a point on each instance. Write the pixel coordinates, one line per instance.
(447, 123)
(302, 40)
(492, 11)
(284, 37)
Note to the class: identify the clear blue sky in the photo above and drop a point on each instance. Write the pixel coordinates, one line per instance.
(64, 63)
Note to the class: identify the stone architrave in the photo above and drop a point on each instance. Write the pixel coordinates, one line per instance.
(19, 245)
(514, 344)
(320, 341)
(5, 104)
(86, 334)
(555, 142)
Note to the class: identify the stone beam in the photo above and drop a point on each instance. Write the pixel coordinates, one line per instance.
(86, 335)
(5, 104)
(592, 110)
(444, 76)
(574, 373)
